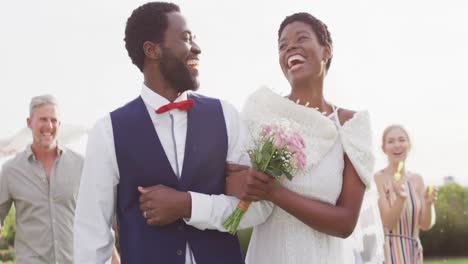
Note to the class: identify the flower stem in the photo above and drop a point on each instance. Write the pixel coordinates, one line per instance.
(232, 223)
(269, 159)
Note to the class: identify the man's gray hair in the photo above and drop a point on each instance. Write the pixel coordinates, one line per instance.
(41, 100)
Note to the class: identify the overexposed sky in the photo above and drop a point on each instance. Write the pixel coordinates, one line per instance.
(404, 61)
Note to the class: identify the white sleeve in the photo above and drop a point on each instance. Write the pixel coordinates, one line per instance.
(95, 209)
(210, 211)
(238, 136)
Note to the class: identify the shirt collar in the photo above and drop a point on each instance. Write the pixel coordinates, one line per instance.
(30, 154)
(155, 100)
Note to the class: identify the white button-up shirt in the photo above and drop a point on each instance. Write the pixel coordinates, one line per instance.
(93, 239)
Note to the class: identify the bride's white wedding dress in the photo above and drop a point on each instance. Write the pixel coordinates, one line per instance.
(284, 239)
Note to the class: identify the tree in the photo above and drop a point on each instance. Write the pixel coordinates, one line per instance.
(9, 228)
(449, 236)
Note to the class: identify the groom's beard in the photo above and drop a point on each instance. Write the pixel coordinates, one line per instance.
(176, 72)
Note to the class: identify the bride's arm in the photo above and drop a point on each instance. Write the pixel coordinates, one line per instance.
(340, 219)
(336, 220)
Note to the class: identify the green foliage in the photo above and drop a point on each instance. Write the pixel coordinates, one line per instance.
(7, 256)
(3, 244)
(447, 261)
(9, 228)
(449, 236)
(244, 239)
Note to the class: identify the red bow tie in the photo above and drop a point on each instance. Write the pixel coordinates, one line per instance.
(182, 105)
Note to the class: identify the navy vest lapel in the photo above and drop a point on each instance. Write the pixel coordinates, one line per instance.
(191, 144)
(205, 144)
(154, 158)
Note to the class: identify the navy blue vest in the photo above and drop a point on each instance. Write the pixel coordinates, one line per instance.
(142, 162)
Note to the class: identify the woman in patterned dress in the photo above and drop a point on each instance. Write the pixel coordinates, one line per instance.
(406, 206)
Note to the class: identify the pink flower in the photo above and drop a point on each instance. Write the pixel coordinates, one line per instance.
(266, 130)
(279, 139)
(295, 143)
(299, 160)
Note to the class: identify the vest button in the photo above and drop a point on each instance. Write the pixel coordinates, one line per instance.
(179, 252)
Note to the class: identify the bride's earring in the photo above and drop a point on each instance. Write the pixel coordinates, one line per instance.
(323, 66)
(324, 63)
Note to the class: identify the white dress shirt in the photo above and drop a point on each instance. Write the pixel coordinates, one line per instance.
(96, 205)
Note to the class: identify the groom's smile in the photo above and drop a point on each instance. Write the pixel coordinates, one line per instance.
(179, 60)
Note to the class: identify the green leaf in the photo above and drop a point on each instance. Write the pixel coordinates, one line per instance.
(274, 172)
(258, 157)
(288, 175)
(267, 147)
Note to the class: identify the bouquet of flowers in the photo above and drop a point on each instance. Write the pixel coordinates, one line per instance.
(277, 152)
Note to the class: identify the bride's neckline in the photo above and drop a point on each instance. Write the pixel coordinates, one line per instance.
(325, 114)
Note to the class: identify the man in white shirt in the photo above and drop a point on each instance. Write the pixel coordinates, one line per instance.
(164, 152)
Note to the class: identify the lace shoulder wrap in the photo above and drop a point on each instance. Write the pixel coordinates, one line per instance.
(356, 138)
(368, 237)
(266, 107)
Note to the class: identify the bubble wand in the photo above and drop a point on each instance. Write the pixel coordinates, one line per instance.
(397, 174)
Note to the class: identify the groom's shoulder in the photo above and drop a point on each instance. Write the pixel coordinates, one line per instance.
(225, 105)
(127, 112)
(206, 100)
(129, 105)
(197, 96)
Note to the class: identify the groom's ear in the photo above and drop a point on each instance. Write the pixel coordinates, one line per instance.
(152, 50)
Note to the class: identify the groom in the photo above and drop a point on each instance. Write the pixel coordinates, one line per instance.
(168, 145)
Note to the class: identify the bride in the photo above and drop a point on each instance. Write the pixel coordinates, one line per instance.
(319, 216)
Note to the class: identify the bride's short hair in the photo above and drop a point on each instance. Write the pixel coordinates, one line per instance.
(320, 29)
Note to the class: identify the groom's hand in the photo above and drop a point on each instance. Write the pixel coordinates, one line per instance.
(246, 184)
(162, 205)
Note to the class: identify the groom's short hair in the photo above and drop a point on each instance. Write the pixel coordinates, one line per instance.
(146, 23)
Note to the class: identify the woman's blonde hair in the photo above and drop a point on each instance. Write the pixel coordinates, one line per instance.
(392, 127)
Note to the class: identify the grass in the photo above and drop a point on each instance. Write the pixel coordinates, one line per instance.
(447, 261)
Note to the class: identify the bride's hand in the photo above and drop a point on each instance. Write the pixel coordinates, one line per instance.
(232, 167)
(248, 184)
